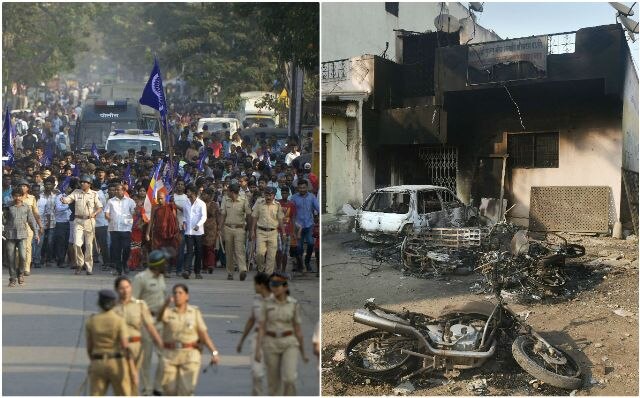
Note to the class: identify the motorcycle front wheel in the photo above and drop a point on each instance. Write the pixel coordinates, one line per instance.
(378, 354)
(558, 369)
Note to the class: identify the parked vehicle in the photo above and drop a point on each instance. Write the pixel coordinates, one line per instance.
(398, 210)
(253, 116)
(216, 124)
(121, 140)
(100, 117)
(406, 344)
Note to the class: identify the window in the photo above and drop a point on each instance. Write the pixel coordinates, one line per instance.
(449, 200)
(428, 202)
(392, 7)
(388, 202)
(534, 150)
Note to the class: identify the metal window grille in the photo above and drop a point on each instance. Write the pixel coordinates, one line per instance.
(562, 43)
(533, 150)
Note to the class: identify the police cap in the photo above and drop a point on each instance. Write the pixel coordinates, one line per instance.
(157, 258)
(106, 294)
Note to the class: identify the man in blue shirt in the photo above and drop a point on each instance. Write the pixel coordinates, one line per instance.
(306, 205)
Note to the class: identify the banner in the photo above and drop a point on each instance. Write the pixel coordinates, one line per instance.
(532, 49)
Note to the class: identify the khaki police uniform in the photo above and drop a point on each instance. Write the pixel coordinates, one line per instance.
(108, 364)
(269, 217)
(280, 346)
(86, 203)
(182, 357)
(235, 217)
(151, 290)
(30, 201)
(135, 313)
(257, 368)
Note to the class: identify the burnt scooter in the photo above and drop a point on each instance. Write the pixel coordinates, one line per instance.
(535, 261)
(407, 344)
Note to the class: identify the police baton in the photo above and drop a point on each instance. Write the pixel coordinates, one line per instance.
(211, 366)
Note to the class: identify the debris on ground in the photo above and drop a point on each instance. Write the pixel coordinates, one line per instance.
(339, 356)
(623, 313)
(404, 388)
(478, 386)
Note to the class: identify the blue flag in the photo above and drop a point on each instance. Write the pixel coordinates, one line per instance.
(65, 184)
(201, 160)
(127, 176)
(7, 145)
(153, 93)
(94, 151)
(47, 159)
(76, 171)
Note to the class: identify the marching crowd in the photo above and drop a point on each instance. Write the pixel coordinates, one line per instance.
(215, 201)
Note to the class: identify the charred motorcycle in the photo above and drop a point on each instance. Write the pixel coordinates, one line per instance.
(407, 344)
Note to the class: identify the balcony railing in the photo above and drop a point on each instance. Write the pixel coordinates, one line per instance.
(334, 71)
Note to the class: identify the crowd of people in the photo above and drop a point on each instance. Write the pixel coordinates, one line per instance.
(212, 200)
(227, 202)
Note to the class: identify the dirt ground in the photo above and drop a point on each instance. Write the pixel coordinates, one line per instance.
(583, 323)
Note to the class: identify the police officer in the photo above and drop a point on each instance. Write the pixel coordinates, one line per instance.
(107, 346)
(29, 201)
(87, 206)
(137, 316)
(149, 286)
(280, 336)
(267, 220)
(261, 285)
(184, 331)
(235, 214)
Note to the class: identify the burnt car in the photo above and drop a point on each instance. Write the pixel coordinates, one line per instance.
(396, 211)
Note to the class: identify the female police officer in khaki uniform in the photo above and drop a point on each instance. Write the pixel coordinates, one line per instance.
(136, 315)
(280, 335)
(107, 346)
(183, 332)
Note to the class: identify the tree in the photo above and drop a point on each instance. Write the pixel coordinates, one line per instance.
(294, 28)
(41, 39)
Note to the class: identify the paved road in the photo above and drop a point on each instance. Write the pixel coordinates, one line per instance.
(43, 341)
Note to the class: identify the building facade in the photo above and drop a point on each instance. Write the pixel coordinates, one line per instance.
(500, 118)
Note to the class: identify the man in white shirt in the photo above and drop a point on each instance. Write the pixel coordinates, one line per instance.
(62, 230)
(119, 213)
(49, 220)
(101, 229)
(195, 215)
(293, 153)
(180, 199)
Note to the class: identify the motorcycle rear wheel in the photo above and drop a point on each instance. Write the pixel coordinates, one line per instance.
(377, 353)
(567, 376)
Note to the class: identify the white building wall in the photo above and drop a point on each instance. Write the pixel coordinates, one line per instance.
(630, 118)
(587, 157)
(352, 29)
(344, 172)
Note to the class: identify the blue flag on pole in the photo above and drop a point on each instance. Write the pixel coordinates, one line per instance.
(153, 94)
(94, 151)
(7, 145)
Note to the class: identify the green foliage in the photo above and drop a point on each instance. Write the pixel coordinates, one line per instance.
(294, 28)
(40, 39)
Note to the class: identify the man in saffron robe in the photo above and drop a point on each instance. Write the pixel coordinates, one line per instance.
(163, 229)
